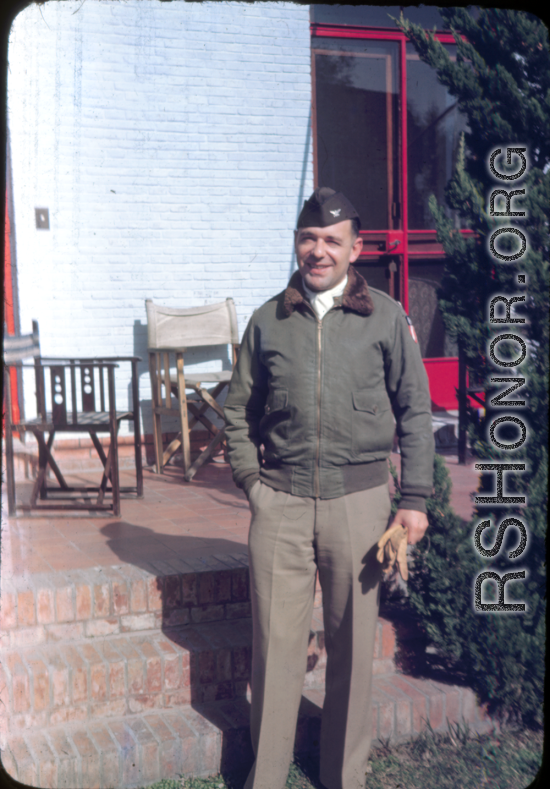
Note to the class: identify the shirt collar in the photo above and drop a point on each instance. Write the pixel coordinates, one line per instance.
(332, 293)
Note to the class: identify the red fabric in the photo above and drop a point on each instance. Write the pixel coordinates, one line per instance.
(9, 314)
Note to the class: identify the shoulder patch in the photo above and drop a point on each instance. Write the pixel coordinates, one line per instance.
(409, 324)
(411, 329)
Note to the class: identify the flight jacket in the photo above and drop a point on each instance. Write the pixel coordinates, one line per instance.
(313, 405)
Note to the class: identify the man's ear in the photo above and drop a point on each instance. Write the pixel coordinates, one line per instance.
(356, 249)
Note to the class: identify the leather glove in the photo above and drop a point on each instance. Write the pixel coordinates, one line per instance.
(392, 546)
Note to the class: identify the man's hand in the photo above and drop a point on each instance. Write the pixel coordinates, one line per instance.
(392, 546)
(415, 522)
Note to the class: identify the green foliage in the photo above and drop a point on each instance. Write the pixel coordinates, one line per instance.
(501, 81)
(167, 783)
(445, 565)
(499, 655)
(435, 760)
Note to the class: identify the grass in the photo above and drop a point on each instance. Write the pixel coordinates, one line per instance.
(509, 759)
(457, 759)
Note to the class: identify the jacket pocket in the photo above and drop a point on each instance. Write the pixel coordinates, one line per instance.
(276, 401)
(372, 422)
(275, 423)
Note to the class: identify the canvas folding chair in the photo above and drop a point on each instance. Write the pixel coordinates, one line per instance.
(72, 396)
(170, 333)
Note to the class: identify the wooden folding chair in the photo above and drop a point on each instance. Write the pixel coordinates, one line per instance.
(80, 398)
(170, 333)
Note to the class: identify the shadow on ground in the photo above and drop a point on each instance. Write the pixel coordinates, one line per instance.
(134, 544)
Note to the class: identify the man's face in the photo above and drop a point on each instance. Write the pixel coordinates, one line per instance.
(324, 253)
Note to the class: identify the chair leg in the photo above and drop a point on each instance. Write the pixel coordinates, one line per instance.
(111, 472)
(197, 415)
(104, 479)
(40, 486)
(138, 461)
(137, 431)
(157, 439)
(10, 474)
(184, 417)
(106, 461)
(49, 461)
(154, 373)
(171, 449)
(139, 464)
(205, 454)
(113, 457)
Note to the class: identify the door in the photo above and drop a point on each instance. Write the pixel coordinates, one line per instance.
(386, 133)
(357, 143)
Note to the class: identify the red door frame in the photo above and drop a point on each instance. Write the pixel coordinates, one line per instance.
(9, 313)
(442, 372)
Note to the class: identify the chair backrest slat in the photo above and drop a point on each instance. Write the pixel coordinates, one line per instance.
(87, 387)
(211, 324)
(166, 368)
(59, 395)
(102, 388)
(73, 391)
(16, 349)
(40, 381)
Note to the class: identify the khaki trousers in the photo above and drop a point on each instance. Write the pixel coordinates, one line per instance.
(290, 539)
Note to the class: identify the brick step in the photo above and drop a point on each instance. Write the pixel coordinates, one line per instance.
(137, 750)
(403, 706)
(384, 649)
(132, 751)
(63, 607)
(66, 606)
(124, 674)
(127, 673)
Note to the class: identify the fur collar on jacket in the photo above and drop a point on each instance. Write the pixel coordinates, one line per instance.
(356, 296)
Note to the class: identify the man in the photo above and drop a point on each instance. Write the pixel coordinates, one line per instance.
(322, 367)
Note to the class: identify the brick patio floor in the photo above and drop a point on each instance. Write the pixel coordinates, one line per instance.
(125, 648)
(206, 517)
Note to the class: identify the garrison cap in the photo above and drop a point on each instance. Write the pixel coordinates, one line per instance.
(326, 207)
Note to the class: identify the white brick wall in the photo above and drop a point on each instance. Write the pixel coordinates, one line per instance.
(171, 144)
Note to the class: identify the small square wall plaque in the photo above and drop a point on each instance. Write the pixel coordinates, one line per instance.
(42, 218)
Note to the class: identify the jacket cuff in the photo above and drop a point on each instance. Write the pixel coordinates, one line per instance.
(409, 502)
(246, 479)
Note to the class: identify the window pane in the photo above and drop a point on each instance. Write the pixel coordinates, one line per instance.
(424, 279)
(356, 90)
(434, 125)
(424, 15)
(376, 16)
(367, 15)
(377, 275)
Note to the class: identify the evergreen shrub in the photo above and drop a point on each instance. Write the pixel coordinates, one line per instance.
(501, 83)
(500, 656)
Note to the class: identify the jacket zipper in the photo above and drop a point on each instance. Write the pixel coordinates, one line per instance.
(317, 486)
